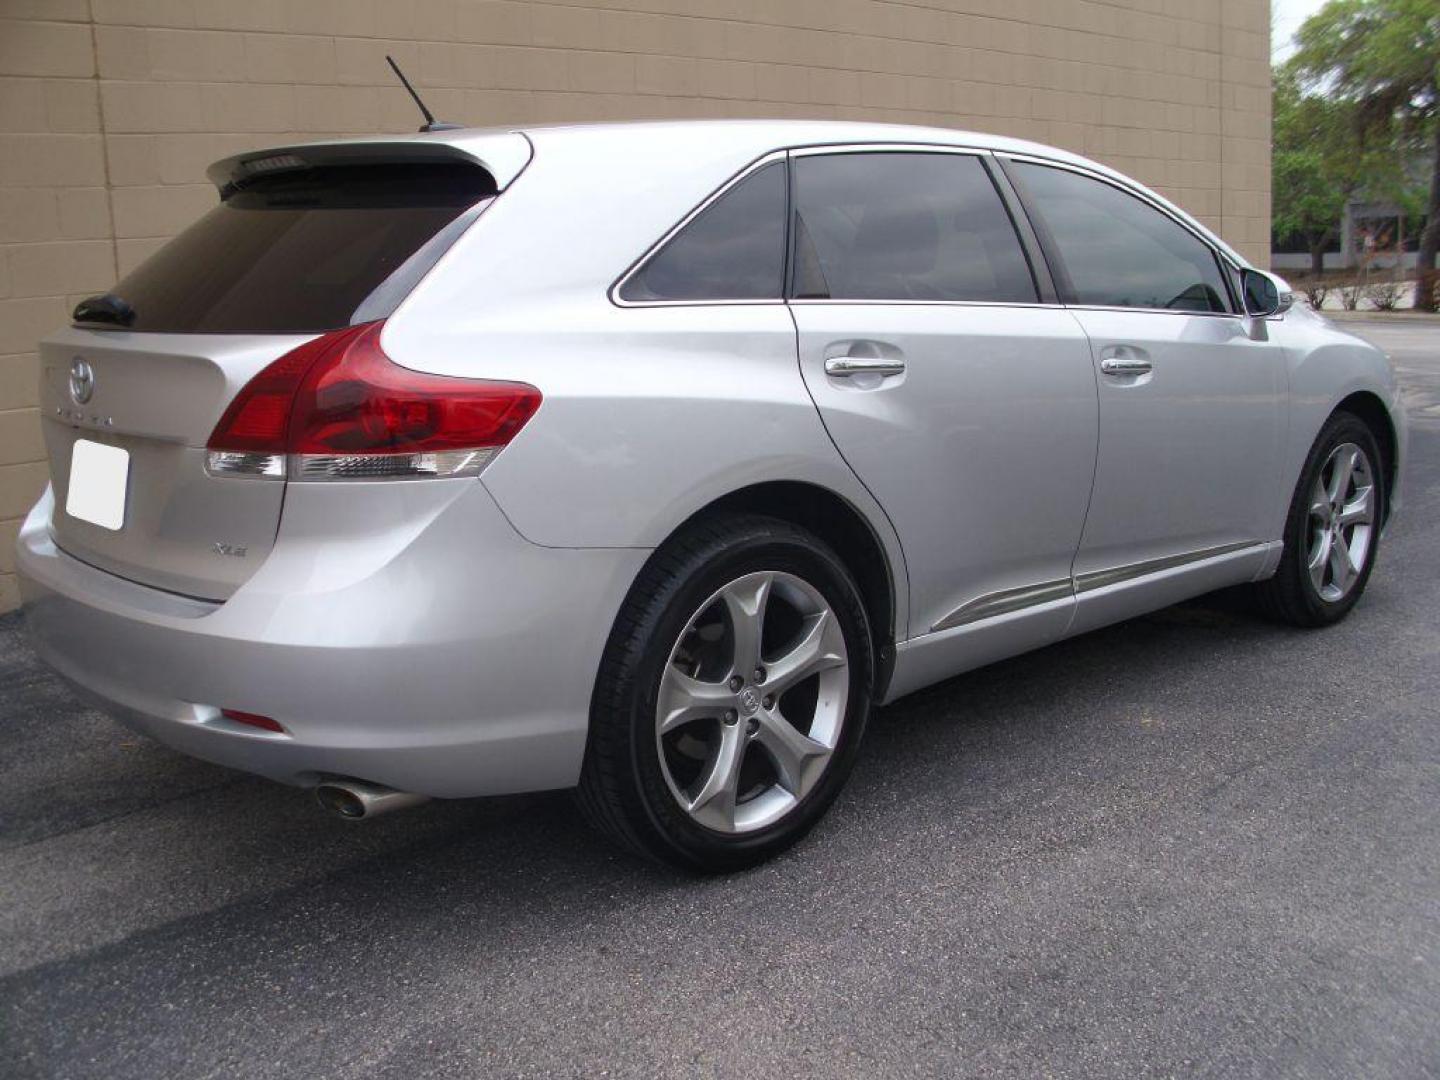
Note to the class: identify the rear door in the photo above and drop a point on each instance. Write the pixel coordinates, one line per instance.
(1190, 403)
(963, 401)
(291, 254)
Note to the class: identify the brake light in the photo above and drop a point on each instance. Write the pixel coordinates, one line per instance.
(338, 408)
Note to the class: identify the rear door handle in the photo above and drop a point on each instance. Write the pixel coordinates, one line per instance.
(843, 367)
(1125, 360)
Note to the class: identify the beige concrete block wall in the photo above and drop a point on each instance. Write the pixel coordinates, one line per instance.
(111, 109)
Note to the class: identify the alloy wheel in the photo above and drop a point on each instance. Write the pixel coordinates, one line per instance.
(752, 702)
(1342, 522)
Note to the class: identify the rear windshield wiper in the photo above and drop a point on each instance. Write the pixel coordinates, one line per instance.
(104, 308)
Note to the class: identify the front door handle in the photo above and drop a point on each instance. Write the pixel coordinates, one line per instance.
(843, 367)
(1123, 361)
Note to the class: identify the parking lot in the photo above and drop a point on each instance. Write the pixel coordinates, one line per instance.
(1192, 844)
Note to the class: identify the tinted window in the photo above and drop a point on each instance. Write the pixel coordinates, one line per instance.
(304, 251)
(904, 226)
(1119, 251)
(734, 249)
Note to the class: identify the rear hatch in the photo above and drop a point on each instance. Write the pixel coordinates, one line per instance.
(131, 392)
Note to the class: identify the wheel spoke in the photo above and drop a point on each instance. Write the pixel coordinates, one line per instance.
(821, 646)
(683, 699)
(798, 758)
(714, 804)
(745, 603)
(1319, 557)
(1360, 510)
(1320, 506)
(1340, 478)
(1342, 568)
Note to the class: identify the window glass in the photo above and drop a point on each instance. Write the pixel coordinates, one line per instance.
(734, 250)
(304, 251)
(1119, 251)
(905, 226)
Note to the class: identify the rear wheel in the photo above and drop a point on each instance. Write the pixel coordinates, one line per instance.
(732, 696)
(1333, 529)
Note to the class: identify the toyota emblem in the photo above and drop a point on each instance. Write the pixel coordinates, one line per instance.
(82, 380)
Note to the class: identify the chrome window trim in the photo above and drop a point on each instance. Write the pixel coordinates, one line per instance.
(812, 301)
(1221, 254)
(659, 245)
(822, 149)
(1156, 311)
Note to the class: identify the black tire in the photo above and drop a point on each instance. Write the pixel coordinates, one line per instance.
(623, 790)
(1291, 595)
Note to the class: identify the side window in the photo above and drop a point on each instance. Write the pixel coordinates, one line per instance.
(1119, 251)
(904, 226)
(734, 249)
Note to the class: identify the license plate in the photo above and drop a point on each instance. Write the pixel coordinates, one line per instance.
(99, 475)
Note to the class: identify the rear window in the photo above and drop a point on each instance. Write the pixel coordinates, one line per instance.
(306, 251)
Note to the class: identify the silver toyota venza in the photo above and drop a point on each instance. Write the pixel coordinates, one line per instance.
(645, 458)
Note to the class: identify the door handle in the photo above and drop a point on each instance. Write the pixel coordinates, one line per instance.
(1125, 361)
(843, 367)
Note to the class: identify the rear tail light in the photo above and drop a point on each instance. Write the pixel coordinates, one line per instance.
(338, 408)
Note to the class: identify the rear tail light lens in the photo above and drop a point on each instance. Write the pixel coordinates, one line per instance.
(338, 408)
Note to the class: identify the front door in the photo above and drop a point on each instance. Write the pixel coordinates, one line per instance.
(1191, 405)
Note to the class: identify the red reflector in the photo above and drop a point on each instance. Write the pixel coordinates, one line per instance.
(253, 719)
(339, 394)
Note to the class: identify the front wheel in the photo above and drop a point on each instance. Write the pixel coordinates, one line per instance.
(1333, 529)
(732, 696)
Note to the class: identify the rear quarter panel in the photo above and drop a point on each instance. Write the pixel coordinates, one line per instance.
(651, 414)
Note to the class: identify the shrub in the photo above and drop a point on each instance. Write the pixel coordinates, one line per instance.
(1315, 290)
(1384, 295)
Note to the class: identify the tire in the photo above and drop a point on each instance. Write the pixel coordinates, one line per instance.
(669, 796)
(1298, 594)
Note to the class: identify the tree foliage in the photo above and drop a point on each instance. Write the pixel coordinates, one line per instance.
(1381, 58)
(1326, 151)
(1383, 55)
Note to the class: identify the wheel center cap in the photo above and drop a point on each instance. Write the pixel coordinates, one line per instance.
(749, 701)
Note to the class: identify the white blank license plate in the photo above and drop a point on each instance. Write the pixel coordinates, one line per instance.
(99, 475)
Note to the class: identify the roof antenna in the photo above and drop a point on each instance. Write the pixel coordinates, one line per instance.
(431, 124)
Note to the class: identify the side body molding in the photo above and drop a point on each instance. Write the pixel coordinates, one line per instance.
(1003, 624)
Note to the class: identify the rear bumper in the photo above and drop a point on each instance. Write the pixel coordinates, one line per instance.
(401, 633)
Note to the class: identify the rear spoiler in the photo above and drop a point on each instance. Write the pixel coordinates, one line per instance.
(503, 154)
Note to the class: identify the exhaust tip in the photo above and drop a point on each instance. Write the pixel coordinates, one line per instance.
(340, 801)
(358, 799)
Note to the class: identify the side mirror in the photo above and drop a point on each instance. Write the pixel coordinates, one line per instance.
(1265, 294)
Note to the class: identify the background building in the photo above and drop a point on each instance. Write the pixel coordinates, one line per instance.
(111, 109)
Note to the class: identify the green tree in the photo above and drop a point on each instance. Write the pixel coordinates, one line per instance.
(1325, 152)
(1383, 56)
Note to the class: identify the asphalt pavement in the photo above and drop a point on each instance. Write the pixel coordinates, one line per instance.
(1195, 844)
